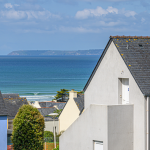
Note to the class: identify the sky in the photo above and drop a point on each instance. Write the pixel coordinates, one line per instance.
(69, 24)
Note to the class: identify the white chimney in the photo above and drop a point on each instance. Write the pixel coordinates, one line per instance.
(72, 94)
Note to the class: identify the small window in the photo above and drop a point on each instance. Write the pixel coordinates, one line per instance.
(98, 145)
(125, 90)
(140, 45)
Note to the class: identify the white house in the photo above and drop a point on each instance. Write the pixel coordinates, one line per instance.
(71, 111)
(116, 100)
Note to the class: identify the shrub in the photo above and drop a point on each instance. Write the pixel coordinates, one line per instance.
(28, 129)
(48, 136)
(57, 148)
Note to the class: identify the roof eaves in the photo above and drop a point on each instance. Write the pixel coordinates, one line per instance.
(97, 65)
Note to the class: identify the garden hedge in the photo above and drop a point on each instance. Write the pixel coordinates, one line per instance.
(28, 129)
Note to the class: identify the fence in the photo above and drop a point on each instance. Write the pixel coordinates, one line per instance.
(48, 143)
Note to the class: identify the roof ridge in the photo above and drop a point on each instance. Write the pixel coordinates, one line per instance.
(131, 37)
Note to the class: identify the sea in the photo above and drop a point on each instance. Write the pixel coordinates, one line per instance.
(39, 78)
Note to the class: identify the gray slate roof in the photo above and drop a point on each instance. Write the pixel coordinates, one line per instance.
(13, 103)
(135, 51)
(7, 96)
(80, 102)
(3, 109)
(46, 110)
(60, 105)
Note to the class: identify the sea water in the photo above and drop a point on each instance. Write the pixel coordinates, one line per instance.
(39, 78)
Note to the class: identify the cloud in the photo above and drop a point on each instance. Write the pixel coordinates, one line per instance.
(8, 5)
(13, 14)
(99, 11)
(142, 20)
(78, 29)
(109, 24)
(129, 13)
(36, 13)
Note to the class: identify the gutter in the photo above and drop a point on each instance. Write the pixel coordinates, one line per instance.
(147, 123)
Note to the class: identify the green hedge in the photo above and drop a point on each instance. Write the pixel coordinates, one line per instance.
(28, 129)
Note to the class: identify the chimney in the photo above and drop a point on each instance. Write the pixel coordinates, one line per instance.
(72, 94)
(36, 104)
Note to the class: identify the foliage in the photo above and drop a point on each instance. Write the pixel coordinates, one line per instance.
(58, 111)
(61, 93)
(28, 129)
(48, 134)
(81, 92)
(58, 135)
(57, 148)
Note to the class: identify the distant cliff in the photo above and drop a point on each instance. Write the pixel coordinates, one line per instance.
(55, 52)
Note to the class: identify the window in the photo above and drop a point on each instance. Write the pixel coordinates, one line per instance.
(98, 145)
(123, 91)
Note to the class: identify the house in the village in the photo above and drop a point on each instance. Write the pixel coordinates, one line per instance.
(71, 111)
(45, 111)
(12, 103)
(116, 100)
(3, 124)
(46, 108)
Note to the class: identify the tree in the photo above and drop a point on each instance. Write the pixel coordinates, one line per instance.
(61, 93)
(28, 129)
(81, 92)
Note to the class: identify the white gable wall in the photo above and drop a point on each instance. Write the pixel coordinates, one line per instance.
(103, 89)
(70, 112)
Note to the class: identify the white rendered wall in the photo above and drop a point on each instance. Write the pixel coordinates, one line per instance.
(49, 126)
(101, 123)
(103, 89)
(91, 125)
(70, 112)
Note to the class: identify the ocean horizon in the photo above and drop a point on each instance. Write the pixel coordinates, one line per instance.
(38, 78)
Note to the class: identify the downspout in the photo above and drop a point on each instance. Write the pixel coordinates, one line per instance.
(147, 124)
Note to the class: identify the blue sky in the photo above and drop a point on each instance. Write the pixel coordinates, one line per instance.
(69, 24)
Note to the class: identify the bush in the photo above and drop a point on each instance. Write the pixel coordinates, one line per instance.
(57, 148)
(28, 129)
(48, 136)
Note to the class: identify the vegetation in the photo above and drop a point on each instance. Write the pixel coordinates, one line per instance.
(58, 135)
(57, 148)
(54, 52)
(48, 134)
(58, 111)
(81, 92)
(28, 129)
(60, 94)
